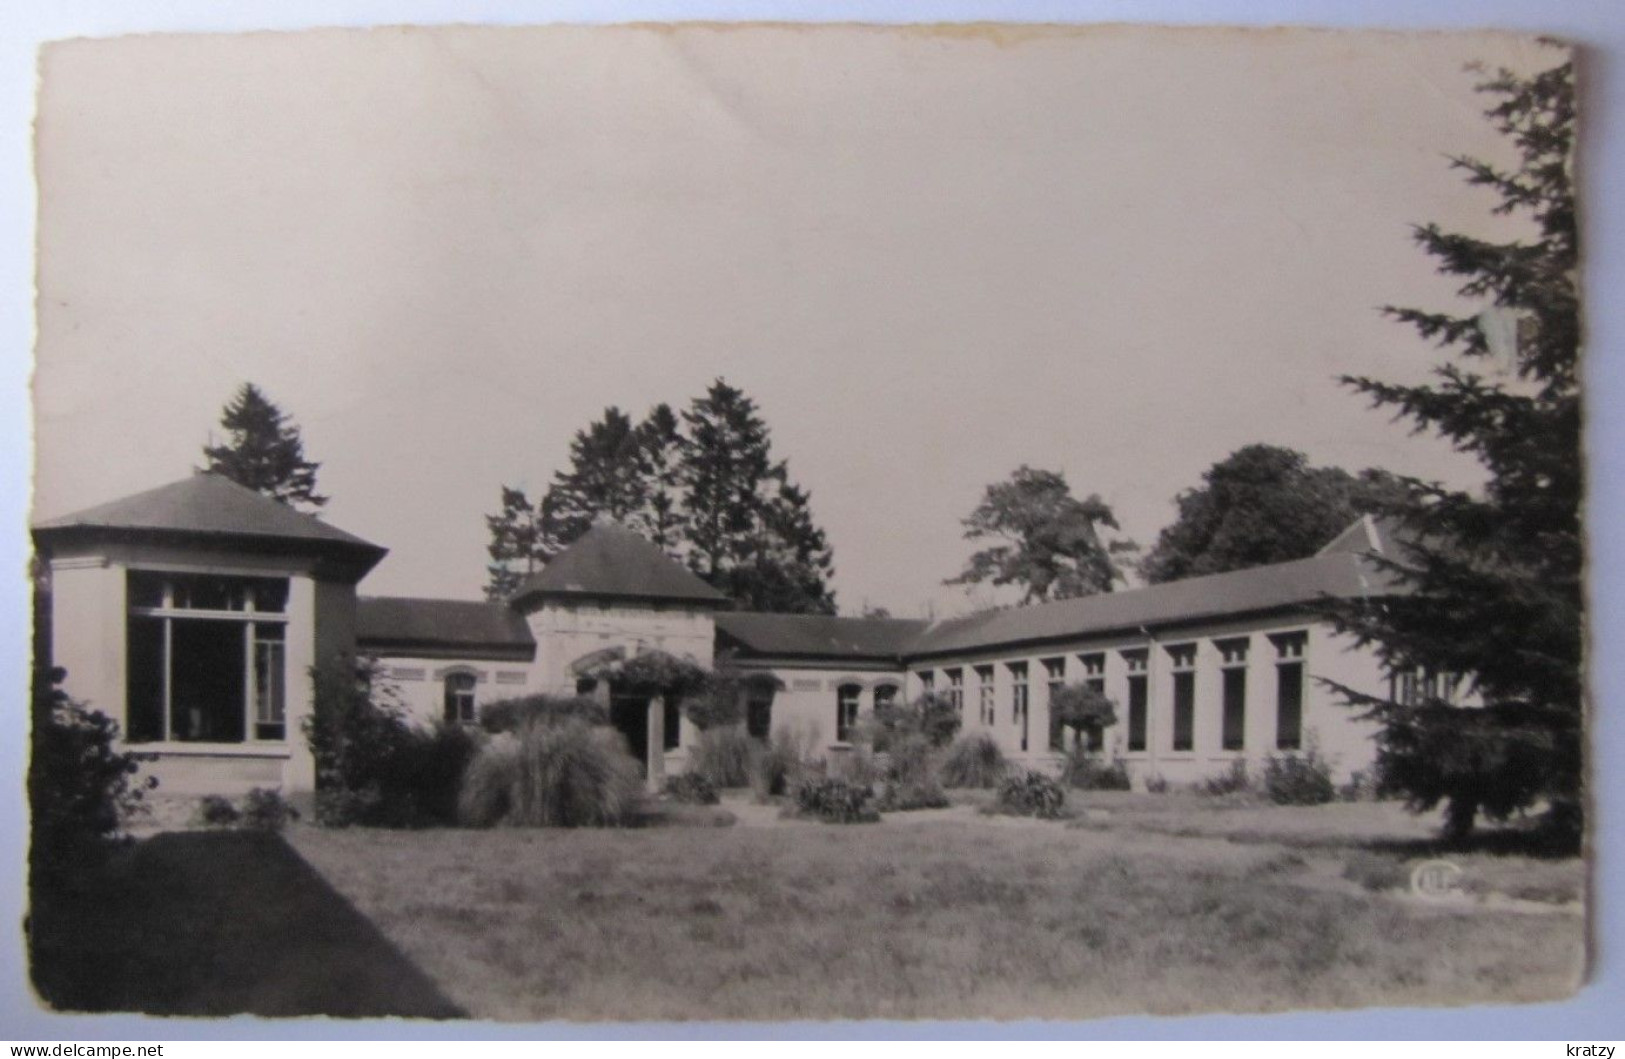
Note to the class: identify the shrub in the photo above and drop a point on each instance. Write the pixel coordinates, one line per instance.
(566, 774)
(1156, 784)
(1298, 779)
(264, 810)
(1082, 709)
(509, 715)
(1084, 773)
(1361, 787)
(691, 788)
(910, 778)
(1376, 871)
(973, 761)
(932, 717)
(835, 801)
(80, 790)
(779, 765)
(373, 767)
(723, 756)
(1031, 794)
(213, 810)
(1233, 780)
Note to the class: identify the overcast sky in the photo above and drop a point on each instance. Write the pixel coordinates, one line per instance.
(929, 256)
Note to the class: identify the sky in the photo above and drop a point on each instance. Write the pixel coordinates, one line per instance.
(930, 256)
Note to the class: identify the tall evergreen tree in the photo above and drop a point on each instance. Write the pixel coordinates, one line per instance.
(1050, 541)
(265, 452)
(605, 477)
(1264, 504)
(524, 536)
(749, 530)
(660, 455)
(1494, 580)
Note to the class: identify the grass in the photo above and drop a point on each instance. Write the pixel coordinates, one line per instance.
(725, 912)
(953, 918)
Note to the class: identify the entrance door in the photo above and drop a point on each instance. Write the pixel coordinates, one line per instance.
(630, 716)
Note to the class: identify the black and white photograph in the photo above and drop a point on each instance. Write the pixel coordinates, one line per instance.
(767, 522)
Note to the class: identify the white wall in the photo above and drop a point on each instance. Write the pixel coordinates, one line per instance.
(418, 683)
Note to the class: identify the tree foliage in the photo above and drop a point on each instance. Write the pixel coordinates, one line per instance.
(704, 486)
(1264, 504)
(1050, 541)
(265, 452)
(1082, 709)
(1494, 579)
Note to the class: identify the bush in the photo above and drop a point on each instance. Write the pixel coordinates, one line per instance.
(1361, 787)
(1298, 779)
(213, 810)
(80, 790)
(974, 761)
(910, 778)
(835, 801)
(723, 756)
(373, 767)
(1156, 784)
(1031, 794)
(777, 766)
(566, 774)
(932, 717)
(691, 788)
(264, 810)
(509, 715)
(1233, 780)
(1084, 773)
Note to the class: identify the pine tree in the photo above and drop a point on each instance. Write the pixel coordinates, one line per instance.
(750, 531)
(524, 536)
(660, 454)
(605, 478)
(1492, 583)
(265, 452)
(1052, 544)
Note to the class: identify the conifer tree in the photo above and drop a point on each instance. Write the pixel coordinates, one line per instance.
(660, 453)
(605, 478)
(524, 536)
(265, 452)
(1491, 585)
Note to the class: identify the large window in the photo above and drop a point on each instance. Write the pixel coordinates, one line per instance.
(206, 659)
(984, 689)
(459, 698)
(1094, 678)
(1233, 656)
(1138, 698)
(1019, 700)
(846, 711)
(1182, 660)
(956, 691)
(759, 711)
(1054, 681)
(1289, 690)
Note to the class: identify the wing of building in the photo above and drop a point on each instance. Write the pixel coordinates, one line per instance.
(193, 614)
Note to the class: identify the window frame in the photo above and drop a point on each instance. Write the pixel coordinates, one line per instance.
(260, 628)
(846, 710)
(453, 697)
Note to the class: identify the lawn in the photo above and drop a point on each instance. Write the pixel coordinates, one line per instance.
(945, 915)
(739, 914)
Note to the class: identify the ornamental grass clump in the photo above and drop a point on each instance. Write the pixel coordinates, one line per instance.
(1083, 772)
(1298, 779)
(691, 788)
(723, 756)
(910, 779)
(974, 761)
(564, 774)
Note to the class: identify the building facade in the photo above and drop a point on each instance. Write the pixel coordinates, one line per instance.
(193, 614)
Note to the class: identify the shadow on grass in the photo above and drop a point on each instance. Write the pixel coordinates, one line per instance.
(218, 924)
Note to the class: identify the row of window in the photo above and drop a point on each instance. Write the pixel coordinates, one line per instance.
(1233, 653)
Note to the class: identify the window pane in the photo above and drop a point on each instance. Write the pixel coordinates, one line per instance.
(270, 594)
(207, 592)
(146, 589)
(1289, 706)
(1184, 711)
(1136, 712)
(207, 680)
(269, 687)
(144, 681)
(1235, 709)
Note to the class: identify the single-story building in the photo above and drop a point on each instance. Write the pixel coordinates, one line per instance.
(193, 613)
